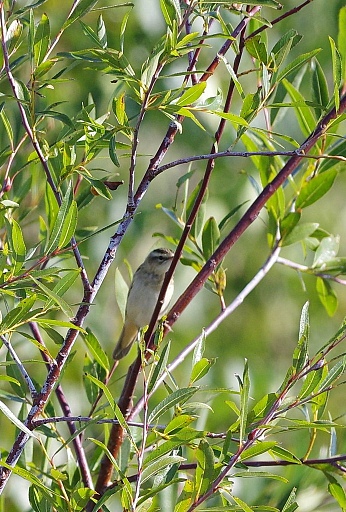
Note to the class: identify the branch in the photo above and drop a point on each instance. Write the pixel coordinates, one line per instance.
(250, 216)
(244, 154)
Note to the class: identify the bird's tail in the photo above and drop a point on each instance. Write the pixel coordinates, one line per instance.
(127, 337)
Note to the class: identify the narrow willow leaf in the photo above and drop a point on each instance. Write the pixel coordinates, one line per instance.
(17, 246)
(69, 225)
(101, 32)
(241, 504)
(121, 291)
(290, 504)
(326, 295)
(319, 88)
(257, 48)
(311, 383)
(54, 238)
(303, 112)
(13, 418)
(333, 374)
(257, 449)
(199, 219)
(19, 314)
(83, 7)
(201, 369)
(326, 251)
(199, 349)
(342, 40)
(210, 237)
(8, 127)
(284, 454)
(337, 491)
(105, 390)
(177, 397)
(62, 285)
(169, 11)
(300, 354)
(337, 149)
(177, 424)
(54, 297)
(191, 95)
(337, 71)
(160, 366)
(244, 401)
(205, 470)
(112, 151)
(300, 232)
(159, 465)
(42, 39)
(96, 350)
(316, 188)
(296, 64)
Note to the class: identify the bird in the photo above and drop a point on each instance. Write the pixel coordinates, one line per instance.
(142, 298)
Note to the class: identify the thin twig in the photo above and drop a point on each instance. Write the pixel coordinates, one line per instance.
(244, 154)
(30, 384)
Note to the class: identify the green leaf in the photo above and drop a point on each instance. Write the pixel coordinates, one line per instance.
(17, 245)
(69, 225)
(337, 491)
(290, 504)
(257, 449)
(300, 232)
(288, 223)
(319, 88)
(105, 390)
(96, 350)
(198, 350)
(101, 32)
(112, 151)
(121, 292)
(42, 39)
(326, 251)
(244, 401)
(13, 418)
(201, 368)
(337, 71)
(300, 354)
(257, 49)
(160, 366)
(81, 9)
(59, 224)
(284, 454)
(333, 374)
(311, 382)
(159, 465)
(342, 40)
(191, 95)
(316, 188)
(171, 11)
(210, 237)
(327, 296)
(296, 64)
(205, 471)
(62, 285)
(199, 219)
(54, 297)
(177, 397)
(242, 505)
(303, 112)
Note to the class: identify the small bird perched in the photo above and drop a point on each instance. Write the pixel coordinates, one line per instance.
(142, 297)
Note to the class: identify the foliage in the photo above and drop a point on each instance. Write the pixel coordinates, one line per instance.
(150, 443)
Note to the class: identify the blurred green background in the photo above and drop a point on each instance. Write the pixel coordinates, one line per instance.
(264, 329)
